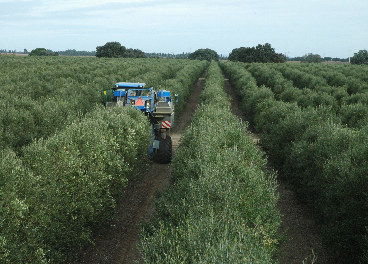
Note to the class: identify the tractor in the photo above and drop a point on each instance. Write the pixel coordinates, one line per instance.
(157, 105)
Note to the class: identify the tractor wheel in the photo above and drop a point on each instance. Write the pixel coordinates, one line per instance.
(165, 151)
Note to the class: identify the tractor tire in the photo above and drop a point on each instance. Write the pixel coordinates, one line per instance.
(165, 151)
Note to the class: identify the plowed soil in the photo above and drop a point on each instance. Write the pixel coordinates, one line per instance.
(117, 242)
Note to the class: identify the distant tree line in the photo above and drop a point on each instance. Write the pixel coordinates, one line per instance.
(168, 55)
(73, 52)
(184, 55)
(47, 52)
(14, 51)
(310, 57)
(261, 53)
(326, 59)
(360, 57)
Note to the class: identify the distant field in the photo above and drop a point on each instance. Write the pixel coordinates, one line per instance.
(14, 54)
(325, 62)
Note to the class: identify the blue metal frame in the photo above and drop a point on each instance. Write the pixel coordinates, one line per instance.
(129, 85)
(124, 89)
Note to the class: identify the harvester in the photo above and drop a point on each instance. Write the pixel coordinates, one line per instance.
(158, 106)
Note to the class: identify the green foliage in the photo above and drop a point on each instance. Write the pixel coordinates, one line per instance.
(328, 72)
(213, 92)
(183, 83)
(254, 97)
(357, 98)
(262, 53)
(43, 52)
(41, 95)
(239, 76)
(134, 53)
(340, 94)
(17, 244)
(317, 139)
(65, 187)
(300, 78)
(291, 94)
(277, 130)
(354, 115)
(246, 87)
(204, 54)
(74, 159)
(361, 57)
(73, 52)
(266, 75)
(328, 168)
(111, 50)
(311, 58)
(222, 203)
(312, 98)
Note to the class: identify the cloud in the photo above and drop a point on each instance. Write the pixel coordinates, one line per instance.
(57, 6)
(175, 26)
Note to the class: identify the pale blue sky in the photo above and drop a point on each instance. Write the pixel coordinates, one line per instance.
(332, 28)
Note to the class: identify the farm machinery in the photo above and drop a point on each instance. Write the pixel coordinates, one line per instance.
(157, 105)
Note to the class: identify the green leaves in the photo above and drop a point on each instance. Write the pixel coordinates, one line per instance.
(116, 50)
(65, 186)
(204, 54)
(111, 50)
(316, 137)
(311, 58)
(43, 52)
(65, 159)
(260, 53)
(41, 95)
(222, 203)
(361, 57)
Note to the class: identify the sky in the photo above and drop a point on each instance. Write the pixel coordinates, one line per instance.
(329, 28)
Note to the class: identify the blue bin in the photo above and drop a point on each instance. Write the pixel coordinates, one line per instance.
(119, 93)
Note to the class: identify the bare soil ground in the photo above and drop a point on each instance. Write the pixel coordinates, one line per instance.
(303, 243)
(117, 242)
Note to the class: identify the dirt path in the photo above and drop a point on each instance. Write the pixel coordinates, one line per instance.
(117, 243)
(302, 234)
